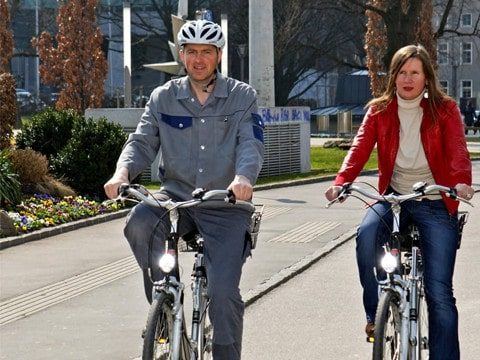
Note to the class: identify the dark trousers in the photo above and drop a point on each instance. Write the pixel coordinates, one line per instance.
(225, 248)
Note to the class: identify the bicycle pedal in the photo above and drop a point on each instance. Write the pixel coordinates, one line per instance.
(370, 339)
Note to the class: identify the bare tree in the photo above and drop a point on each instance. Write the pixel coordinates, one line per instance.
(8, 108)
(305, 33)
(77, 64)
(314, 38)
(393, 24)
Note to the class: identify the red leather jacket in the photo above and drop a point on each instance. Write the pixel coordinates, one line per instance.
(443, 141)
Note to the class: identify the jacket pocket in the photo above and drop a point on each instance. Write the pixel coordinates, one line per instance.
(177, 122)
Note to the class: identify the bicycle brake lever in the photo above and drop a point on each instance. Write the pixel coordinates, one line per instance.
(198, 193)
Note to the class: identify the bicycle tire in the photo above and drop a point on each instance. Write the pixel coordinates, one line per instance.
(386, 343)
(159, 329)
(423, 326)
(204, 339)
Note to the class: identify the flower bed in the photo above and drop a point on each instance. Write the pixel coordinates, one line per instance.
(43, 210)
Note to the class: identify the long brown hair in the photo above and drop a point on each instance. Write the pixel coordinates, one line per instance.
(435, 92)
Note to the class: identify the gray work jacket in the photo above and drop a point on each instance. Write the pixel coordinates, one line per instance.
(200, 146)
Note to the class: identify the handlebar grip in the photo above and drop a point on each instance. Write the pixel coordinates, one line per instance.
(231, 197)
(122, 189)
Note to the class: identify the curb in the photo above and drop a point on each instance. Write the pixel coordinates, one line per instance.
(300, 266)
(59, 229)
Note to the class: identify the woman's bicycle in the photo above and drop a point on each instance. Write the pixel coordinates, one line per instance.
(401, 322)
(165, 335)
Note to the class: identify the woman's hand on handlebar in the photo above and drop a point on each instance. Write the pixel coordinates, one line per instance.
(464, 191)
(119, 178)
(332, 192)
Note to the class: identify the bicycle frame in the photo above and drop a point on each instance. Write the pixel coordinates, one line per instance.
(182, 346)
(407, 288)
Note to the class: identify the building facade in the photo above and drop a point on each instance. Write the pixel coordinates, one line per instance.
(29, 18)
(458, 52)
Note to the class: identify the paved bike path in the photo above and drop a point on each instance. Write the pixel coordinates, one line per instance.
(78, 295)
(319, 314)
(84, 298)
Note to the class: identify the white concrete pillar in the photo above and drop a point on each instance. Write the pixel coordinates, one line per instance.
(182, 8)
(260, 52)
(224, 63)
(127, 54)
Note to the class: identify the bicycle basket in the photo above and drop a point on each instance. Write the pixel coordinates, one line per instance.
(255, 225)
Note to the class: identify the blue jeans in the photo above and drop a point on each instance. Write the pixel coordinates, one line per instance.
(439, 238)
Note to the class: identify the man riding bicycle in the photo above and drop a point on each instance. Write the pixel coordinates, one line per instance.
(208, 133)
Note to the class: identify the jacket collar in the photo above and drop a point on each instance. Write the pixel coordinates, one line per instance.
(220, 90)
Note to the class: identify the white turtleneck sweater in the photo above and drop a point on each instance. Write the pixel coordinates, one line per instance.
(411, 165)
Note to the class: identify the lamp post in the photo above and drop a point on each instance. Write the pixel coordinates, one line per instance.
(37, 60)
(242, 52)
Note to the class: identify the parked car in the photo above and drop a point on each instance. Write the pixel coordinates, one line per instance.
(53, 98)
(25, 101)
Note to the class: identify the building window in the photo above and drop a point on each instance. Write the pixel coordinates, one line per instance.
(466, 52)
(444, 84)
(466, 20)
(467, 88)
(442, 54)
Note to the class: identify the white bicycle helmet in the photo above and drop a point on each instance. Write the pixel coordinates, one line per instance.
(201, 32)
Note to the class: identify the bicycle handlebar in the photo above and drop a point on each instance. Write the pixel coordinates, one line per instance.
(419, 190)
(139, 192)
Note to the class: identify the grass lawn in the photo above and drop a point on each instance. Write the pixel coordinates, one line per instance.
(324, 161)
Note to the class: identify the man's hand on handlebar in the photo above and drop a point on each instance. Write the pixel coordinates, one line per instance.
(119, 178)
(241, 187)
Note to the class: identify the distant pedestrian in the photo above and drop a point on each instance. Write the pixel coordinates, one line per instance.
(469, 116)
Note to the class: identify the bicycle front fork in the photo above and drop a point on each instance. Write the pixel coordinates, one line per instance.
(410, 343)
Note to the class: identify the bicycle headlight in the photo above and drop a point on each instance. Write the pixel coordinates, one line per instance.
(389, 262)
(167, 262)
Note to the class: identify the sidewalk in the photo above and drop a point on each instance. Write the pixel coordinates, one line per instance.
(80, 292)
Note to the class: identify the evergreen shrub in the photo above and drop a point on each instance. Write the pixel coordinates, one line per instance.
(89, 158)
(48, 131)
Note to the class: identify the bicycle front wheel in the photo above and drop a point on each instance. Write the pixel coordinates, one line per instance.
(159, 331)
(386, 343)
(205, 337)
(423, 326)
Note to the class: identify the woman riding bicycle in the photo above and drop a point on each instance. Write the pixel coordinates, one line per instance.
(418, 132)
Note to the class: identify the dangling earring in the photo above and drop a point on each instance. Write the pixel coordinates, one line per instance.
(425, 93)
